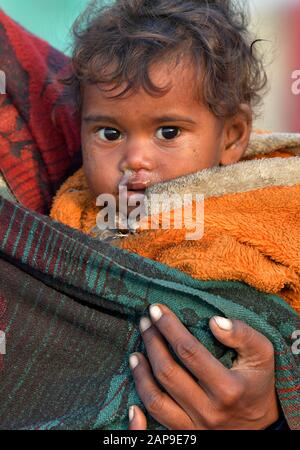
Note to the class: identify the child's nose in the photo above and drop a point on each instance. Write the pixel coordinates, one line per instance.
(138, 156)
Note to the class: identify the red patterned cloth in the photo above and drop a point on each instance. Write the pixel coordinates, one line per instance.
(39, 128)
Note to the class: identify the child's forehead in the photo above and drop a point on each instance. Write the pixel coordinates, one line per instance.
(180, 81)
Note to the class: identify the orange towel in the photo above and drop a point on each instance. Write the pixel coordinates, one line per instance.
(251, 234)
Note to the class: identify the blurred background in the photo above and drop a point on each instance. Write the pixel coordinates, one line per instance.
(277, 21)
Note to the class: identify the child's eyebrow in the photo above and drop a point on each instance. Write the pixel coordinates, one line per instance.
(174, 118)
(100, 118)
(156, 120)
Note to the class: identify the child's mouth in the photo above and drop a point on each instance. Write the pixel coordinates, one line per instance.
(132, 187)
(138, 186)
(133, 195)
(135, 182)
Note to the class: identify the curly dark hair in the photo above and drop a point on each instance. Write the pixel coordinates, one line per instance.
(117, 43)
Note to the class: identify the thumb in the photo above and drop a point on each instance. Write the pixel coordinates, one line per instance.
(137, 419)
(253, 348)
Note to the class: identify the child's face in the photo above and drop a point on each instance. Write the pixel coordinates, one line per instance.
(157, 138)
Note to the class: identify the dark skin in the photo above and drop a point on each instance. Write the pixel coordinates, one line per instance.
(132, 133)
(158, 139)
(206, 396)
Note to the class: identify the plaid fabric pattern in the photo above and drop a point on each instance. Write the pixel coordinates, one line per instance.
(71, 307)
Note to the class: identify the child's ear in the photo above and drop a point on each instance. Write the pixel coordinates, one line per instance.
(237, 130)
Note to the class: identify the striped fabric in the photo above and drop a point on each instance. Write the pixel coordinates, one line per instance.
(70, 308)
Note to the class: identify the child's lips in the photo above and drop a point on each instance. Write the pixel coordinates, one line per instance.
(137, 181)
(138, 185)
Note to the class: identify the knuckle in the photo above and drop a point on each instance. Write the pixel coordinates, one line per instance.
(212, 422)
(231, 395)
(186, 349)
(154, 402)
(166, 373)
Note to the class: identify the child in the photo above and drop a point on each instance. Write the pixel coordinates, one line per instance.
(166, 93)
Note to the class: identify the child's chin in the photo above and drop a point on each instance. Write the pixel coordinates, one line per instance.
(132, 197)
(136, 200)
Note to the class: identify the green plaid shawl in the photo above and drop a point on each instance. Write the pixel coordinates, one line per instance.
(70, 307)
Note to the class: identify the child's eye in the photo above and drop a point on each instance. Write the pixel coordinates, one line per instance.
(168, 133)
(109, 134)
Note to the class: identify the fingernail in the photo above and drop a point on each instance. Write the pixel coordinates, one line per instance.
(131, 413)
(133, 361)
(224, 324)
(155, 312)
(145, 324)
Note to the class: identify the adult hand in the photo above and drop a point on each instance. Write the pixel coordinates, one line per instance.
(207, 396)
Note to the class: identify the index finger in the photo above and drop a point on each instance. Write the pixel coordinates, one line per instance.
(210, 372)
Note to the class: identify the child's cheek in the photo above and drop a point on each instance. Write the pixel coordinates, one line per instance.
(101, 174)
